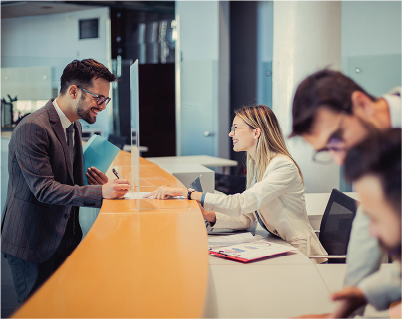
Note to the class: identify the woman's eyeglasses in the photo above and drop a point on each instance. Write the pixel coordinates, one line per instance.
(233, 129)
(101, 99)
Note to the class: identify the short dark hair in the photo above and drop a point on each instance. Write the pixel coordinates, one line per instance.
(380, 155)
(82, 72)
(325, 88)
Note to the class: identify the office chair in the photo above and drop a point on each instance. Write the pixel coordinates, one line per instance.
(336, 225)
(230, 184)
(117, 140)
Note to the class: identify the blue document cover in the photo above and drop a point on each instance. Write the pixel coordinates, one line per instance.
(98, 153)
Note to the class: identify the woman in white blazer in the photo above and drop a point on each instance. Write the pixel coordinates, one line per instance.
(275, 188)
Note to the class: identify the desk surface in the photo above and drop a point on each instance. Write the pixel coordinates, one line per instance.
(333, 276)
(205, 160)
(150, 263)
(278, 287)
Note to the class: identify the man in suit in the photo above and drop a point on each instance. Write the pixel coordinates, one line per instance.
(40, 226)
(333, 113)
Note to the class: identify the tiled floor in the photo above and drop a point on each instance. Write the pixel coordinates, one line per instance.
(8, 295)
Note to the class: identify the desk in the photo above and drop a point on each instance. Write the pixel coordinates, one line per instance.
(333, 275)
(151, 263)
(278, 287)
(205, 160)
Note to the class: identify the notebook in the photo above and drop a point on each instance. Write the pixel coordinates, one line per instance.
(99, 153)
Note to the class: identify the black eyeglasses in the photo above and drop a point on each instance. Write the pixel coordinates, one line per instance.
(101, 99)
(335, 144)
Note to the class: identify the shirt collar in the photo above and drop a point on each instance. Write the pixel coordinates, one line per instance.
(65, 122)
(394, 104)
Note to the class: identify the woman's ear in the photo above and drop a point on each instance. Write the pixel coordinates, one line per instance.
(257, 133)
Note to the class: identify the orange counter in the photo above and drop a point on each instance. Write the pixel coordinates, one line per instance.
(150, 263)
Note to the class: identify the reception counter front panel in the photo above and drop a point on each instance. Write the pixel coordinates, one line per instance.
(150, 262)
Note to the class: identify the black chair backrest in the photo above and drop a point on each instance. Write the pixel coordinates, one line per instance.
(117, 140)
(230, 184)
(336, 224)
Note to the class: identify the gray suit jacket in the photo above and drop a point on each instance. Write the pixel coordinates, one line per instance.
(42, 186)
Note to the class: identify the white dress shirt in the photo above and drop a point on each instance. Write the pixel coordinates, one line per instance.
(65, 122)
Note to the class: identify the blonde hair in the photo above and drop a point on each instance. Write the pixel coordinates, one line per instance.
(270, 142)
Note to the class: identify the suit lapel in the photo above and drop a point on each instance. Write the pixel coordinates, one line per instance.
(59, 131)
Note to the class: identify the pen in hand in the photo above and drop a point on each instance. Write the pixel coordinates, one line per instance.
(115, 173)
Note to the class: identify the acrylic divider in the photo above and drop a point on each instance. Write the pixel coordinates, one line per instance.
(145, 178)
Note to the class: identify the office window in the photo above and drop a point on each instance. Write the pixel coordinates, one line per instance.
(89, 28)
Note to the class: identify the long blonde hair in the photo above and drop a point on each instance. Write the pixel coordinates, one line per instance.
(270, 142)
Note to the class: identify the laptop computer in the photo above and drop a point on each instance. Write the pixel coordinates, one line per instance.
(196, 185)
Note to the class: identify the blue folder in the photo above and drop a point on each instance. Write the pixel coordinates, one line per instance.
(98, 153)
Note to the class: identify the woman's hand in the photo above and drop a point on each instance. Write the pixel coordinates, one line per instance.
(208, 215)
(164, 192)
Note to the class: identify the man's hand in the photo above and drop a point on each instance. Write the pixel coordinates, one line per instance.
(164, 192)
(208, 215)
(96, 177)
(324, 315)
(349, 299)
(115, 188)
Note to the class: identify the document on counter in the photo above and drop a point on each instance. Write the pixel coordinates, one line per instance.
(221, 241)
(140, 195)
(250, 251)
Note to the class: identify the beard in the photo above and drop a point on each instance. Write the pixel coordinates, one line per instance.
(85, 114)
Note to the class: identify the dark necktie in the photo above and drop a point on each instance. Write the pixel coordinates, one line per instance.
(70, 143)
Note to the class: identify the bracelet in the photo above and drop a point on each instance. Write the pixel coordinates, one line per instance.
(190, 190)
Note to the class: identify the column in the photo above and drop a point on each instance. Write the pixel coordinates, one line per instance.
(307, 38)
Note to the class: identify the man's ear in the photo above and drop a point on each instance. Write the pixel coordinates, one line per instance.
(257, 133)
(362, 106)
(73, 91)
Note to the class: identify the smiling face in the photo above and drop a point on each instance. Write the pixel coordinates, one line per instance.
(244, 137)
(87, 107)
(385, 222)
(328, 125)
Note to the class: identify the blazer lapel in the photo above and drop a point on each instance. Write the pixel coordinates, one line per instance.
(59, 131)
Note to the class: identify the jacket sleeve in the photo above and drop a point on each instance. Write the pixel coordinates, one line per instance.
(277, 182)
(364, 254)
(33, 159)
(383, 287)
(242, 222)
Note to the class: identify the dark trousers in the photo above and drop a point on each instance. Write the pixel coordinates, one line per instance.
(28, 276)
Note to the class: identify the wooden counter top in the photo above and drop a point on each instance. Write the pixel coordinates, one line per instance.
(150, 263)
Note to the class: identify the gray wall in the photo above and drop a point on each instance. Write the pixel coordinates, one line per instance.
(53, 40)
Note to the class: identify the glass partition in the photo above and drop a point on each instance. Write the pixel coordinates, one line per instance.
(145, 177)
